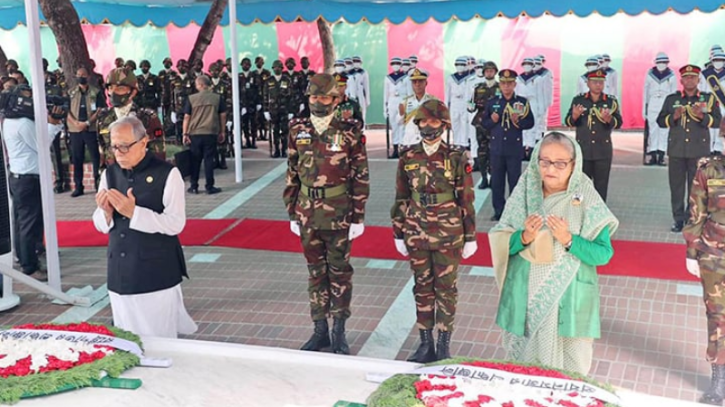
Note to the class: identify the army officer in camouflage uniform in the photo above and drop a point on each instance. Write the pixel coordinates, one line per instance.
(434, 222)
(122, 88)
(327, 188)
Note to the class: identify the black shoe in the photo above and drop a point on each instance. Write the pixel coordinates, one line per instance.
(339, 343)
(716, 393)
(484, 183)
(276, 154)
(320, 337)
(222, 166)
(76, 193)
(652, 159)
(213, 190)
(193, 190)
(715, 152)
(426, 351)
(475, 168)
(248, 145)
(59, 189)
(677, 226)
(254, 146)
(496, 217)
(96, 183)
(284, 153)
(443, 345)
(661, 159)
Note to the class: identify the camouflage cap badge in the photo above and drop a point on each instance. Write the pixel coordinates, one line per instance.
(322, 84)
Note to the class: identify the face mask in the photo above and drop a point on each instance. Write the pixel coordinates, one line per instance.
(395, 67)
(431, 133)
(145, 70)
(319, 109)
(591, 68)
(277, 71)
(120, 100)
(661, 67)
(245, 68)
(528, 68)
(718, 65)
(537, 66)
(83, 80)
(605, 64)
(413, 65)
(479, 71)
(339, 69)
(405, 68)
(182, 70)
(167, 66)
(357, 65)
(460, 68)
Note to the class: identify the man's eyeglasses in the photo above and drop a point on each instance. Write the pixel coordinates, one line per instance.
(123, 148)
(559, 165)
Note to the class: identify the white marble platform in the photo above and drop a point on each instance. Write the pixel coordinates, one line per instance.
(219, 374)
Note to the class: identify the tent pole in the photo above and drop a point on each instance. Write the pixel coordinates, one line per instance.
(235, 92)
(41, 129)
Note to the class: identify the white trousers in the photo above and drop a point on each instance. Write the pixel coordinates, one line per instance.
(160, 313)
(460, 125)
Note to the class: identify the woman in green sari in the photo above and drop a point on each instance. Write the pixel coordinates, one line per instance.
(552, 235)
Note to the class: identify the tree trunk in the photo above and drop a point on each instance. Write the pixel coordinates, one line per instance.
(328, 45)
(3, 62)
(62, 18)
(206, 33)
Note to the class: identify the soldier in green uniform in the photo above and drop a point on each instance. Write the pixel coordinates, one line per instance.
(182, 86)
(249, 100)
(279, 106)
(149, 88)
(122, 87)
(307, 73)
(595, 114)
(166, 76)
(260, 78)
(347, 108)
(327, 187)
(705, 237)
(482, 93)
(60, 78)
(688, 114)
(222, 87)
(434, 223)
(130, 66)
(299, 86)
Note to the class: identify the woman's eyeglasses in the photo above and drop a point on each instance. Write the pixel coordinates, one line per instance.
(559, 165)
(123, 148)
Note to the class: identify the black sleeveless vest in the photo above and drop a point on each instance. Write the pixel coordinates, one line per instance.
(141, 262)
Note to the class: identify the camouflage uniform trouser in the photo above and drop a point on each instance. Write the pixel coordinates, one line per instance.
(712, 274)
(436, 294)
(330, 280)
(483, 137)
(280, 131)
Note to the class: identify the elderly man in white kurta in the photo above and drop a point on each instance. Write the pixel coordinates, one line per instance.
(141, 206)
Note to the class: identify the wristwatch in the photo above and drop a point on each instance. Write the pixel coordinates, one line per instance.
(568, 245)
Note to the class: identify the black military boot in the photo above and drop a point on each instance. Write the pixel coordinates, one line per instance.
(223, 161)
(320, 337)
(443, 346)
(426, 351)
(716, 393)
(339, 343)
(484, 180)
(395, 152)
(475, 165)
(652, 158)
(661, 158)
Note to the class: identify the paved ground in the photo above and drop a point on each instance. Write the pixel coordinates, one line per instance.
(653, 331)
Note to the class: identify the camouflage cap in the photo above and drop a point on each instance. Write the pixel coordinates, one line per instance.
(130, 63)
(145, 62)
(277, 64)
(120, 77)
(322, 84)
(432, 109)
(490, 65)
(167, 59)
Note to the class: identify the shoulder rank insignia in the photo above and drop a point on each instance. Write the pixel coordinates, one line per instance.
(411, 167)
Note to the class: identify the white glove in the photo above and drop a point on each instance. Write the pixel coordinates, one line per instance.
(173, 117)
(259, 107)
(302, 107)
(693, 267)
(229, 126)
(294, 226)
(244, 111)
(400, 247)
(267, 117)
(290, 116)
(356, 230)
(469, 248)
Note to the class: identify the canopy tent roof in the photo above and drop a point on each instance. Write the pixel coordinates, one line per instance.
(183, 12)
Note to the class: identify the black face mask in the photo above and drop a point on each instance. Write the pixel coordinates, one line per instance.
(145, 70)
(431, 133)
(277, 71)
(245, 68)
(167, 66)
(82, 80)
(182, 70)
(120, 100)
(319, 109)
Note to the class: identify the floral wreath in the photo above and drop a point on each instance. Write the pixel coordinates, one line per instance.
(410, 390)
(69, 368)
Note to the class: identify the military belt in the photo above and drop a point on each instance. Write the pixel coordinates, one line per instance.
(432, 199)
(322, 193)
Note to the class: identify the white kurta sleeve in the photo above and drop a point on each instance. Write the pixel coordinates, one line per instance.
(172, 221)
(99, 217)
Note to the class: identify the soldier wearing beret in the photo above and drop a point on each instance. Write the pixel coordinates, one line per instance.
(506, 117)
(122, 88)
(347, 108)
(595, 114)
(434, 224)
(688, 114)
(327, 187)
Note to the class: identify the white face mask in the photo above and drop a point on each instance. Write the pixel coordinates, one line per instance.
(339, 69)
(357, 65)
(479, 71)
(605, 64)
(395, 67)
(460, 69)
(718, 64)
(591, 68)
(661, 66)
(528, 68)
(413, 65)
(405, 68)
(537, 67)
